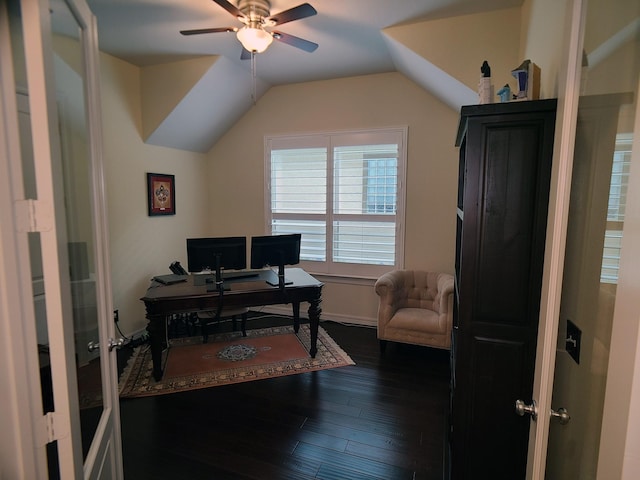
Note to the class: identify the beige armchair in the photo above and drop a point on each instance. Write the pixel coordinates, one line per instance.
(415, 307)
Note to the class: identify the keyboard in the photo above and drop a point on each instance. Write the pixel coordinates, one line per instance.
(170, 279)
(241, 274)
(210, 278)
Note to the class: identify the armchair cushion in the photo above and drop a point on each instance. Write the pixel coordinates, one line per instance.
(415, 307)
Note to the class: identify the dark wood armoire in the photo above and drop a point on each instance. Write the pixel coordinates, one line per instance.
(503, 190)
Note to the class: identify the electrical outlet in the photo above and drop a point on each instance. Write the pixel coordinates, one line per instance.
(116, 316)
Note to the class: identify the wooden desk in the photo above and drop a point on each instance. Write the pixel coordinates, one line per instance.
(162, 301)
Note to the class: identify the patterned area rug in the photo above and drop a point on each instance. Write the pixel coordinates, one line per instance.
(230, 358)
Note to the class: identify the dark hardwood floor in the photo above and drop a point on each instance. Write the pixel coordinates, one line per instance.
(382, 419)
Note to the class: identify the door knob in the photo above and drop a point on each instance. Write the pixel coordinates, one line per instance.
(92, 346)
(522, 409)
(115, 343)
(562, 415)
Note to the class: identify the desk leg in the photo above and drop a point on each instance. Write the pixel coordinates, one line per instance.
(156, 339)
(314, 322)
(296, 316)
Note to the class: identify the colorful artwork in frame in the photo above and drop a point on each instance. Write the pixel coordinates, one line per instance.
(161, 194)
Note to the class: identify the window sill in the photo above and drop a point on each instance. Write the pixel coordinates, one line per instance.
(343, 279)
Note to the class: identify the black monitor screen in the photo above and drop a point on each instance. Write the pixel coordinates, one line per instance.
(202, 253)
(275, 250)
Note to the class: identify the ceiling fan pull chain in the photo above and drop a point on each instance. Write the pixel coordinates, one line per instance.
(253, 77)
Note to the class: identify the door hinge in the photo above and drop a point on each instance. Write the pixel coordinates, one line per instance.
(48, 431)
(33, 215)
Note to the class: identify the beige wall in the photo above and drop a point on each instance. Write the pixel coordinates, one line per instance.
(236, 167)
(491, 36)
(541, 39)
(143, 246)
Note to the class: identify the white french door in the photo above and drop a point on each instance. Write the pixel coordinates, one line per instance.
(595, 384)
(58, 294)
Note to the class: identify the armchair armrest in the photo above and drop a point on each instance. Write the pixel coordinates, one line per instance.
(445, 293)
(390, 287)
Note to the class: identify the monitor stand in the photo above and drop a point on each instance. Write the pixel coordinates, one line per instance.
(215, 288)
(277, 279)
(219, 282)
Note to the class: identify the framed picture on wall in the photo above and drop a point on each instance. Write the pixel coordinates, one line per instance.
(161, 194)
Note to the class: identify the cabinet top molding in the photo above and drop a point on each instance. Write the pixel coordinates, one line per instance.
(500, 108)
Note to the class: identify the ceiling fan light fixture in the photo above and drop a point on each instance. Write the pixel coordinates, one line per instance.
(254, 39)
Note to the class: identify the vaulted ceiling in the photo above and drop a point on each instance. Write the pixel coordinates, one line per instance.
(205, 87)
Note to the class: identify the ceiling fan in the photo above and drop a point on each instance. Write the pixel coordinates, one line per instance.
(256, 35)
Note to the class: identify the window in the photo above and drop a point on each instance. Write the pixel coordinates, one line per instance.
(616, 211)
(344, 192)
(382, 185)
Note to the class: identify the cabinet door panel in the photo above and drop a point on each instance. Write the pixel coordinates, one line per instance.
(506, 222)
(496, 379)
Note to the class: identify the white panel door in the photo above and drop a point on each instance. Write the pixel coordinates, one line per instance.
(61, 242)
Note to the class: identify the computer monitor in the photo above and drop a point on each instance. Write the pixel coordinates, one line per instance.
(228, 253)
(275, 250)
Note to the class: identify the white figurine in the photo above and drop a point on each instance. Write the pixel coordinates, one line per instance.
(485, 89)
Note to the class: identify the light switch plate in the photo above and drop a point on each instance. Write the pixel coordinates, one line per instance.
(573, 340)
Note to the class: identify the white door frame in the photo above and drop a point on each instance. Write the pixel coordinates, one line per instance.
(619, 453)
(22, 451)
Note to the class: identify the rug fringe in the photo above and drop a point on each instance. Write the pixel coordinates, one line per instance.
(128, 369)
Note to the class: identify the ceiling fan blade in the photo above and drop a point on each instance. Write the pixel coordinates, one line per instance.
(296, 13)
(208, 30)
(231, 8)
(294, 41)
